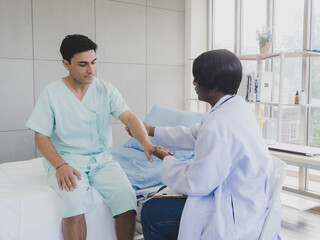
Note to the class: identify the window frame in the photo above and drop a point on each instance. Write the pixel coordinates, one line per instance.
(305, 115)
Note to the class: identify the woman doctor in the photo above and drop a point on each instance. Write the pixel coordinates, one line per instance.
(228, 183)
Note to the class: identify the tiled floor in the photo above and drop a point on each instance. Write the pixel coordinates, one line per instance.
(300, 225)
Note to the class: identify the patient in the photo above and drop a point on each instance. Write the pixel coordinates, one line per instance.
(229, 182)
(72, 124)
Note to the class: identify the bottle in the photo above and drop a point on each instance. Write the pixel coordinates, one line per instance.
(296, 99)
(302, 99)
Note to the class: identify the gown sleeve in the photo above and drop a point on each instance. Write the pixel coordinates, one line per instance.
(42, 117)
(117, 103)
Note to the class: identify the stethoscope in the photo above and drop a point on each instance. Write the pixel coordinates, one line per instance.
(222, 103)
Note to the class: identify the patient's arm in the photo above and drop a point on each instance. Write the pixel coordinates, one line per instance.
(64, 172)
(138, 131)
(149, 129)
(173, 137)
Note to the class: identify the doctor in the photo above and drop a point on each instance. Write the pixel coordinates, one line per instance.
(228, 183)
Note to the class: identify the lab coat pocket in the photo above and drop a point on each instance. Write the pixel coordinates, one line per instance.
(227, 222)
(232, 209)
(260, 203)
(230, 212)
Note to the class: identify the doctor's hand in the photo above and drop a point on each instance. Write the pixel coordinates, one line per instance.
(65, 177)
(162, 152)
(157, 151)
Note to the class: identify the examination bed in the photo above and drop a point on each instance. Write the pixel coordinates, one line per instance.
(29, 207)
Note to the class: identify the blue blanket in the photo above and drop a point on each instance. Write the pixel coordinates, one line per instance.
(141, 172)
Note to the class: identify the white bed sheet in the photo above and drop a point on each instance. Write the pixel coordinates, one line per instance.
(29, 207)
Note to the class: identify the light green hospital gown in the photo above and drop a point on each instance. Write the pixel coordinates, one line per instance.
(78, 129)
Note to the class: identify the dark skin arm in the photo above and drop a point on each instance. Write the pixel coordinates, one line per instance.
(161, 152)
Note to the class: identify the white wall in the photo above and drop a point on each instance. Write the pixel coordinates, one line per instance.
(140, 50)
(196, 35)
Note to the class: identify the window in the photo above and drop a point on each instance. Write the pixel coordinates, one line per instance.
(314, 134)
(288, 25)
(296, 27)
(292, 177)
(314, 119)
(223, 36)
(288, 20)
(314, 180)
(288, 31)
(294, 131)
(252, 21)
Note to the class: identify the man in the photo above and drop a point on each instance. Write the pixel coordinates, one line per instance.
(72, 124)
(229, 182)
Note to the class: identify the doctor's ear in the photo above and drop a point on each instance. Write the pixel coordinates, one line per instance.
(214, 90)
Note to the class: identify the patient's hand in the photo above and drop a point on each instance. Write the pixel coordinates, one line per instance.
(65, 177)
(162, 152)
(148, 150)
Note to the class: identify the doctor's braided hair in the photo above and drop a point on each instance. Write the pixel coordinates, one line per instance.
(76, 43)
(218, 69)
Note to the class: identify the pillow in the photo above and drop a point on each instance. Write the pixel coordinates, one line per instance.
(166, 117)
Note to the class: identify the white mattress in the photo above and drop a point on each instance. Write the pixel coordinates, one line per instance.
(29, 207)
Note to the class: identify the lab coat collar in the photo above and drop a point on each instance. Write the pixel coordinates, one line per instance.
(222, 100)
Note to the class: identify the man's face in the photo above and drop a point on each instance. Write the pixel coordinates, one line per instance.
(82, 67)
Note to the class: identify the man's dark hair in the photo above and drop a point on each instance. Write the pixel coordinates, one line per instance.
(218, 69)
(76, 43)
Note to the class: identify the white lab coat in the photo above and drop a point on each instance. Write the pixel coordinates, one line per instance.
(228, 182)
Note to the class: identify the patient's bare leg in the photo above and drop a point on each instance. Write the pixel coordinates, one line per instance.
(125, 225)
(74, 228)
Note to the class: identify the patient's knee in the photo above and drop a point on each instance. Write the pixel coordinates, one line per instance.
(127, 214)
(74, 219)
